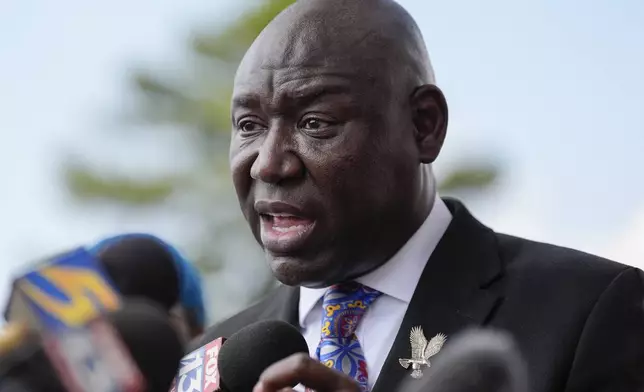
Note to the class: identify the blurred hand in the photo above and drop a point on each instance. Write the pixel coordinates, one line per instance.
(302, 369)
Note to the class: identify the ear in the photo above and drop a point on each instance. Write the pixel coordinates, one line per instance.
(429, 114)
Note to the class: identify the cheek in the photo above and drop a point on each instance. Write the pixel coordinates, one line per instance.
(348, 174)
(241, 161)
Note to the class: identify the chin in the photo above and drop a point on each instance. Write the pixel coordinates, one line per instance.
(296, 271)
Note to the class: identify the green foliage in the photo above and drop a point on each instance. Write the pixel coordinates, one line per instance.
(231, 44)
(199, 105)
(469, 177)
(85, 184)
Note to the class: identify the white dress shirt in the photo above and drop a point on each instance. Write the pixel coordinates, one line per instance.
(396, 280)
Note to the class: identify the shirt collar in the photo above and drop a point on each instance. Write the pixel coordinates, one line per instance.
(399, 276)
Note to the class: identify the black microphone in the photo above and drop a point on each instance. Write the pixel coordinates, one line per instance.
(151, 340)
(21, 355)
(247, 353)
(141, 267)
(237, 365)
(145, 332)
(145, 266)
(13, 386)
(475, 361)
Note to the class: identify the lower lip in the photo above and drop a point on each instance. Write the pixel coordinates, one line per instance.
(285, 238)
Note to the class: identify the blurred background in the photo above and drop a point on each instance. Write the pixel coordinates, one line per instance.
(114, 117)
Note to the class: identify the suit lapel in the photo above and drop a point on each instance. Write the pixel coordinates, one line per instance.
(455, 290)
(282, 304)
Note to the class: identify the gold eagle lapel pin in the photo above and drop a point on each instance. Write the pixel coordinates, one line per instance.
(422, 350)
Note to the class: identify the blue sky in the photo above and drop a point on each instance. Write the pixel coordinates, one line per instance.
(554, 89)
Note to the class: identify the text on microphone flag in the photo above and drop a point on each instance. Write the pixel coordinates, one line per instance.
(67, 292)
(198, 371)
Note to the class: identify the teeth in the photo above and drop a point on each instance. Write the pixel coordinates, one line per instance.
(288, 229)
(282, 215)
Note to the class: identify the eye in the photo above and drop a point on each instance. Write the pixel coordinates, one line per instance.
(314, 124)
(250, 127)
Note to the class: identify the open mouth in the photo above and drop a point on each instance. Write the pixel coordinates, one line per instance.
(283, 226)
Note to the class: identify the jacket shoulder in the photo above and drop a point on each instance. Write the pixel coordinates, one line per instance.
(557, 263)
(278, 304)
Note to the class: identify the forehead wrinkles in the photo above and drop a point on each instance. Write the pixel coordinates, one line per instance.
(277, 89)
(277, 74)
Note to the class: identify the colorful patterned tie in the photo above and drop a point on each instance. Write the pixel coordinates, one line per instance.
(343, 307)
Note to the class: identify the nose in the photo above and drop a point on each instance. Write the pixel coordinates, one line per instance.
(277, 161)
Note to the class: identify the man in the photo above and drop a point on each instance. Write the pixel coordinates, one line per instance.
(336, 122)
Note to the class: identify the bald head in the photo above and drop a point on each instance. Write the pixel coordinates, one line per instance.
(378, 39)
(335, 120)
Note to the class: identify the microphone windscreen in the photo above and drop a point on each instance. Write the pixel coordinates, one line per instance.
(152, 341)
(25, 367)
(475, 361)
(141, 267)
(248, 352)
(34, 375)
(15, 386)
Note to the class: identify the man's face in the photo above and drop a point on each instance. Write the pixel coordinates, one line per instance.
(323, 161)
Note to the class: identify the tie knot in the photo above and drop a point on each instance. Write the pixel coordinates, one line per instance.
(344, 305)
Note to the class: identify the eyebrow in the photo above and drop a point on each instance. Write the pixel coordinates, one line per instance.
(303, 96)
(311, 94)
(246, 101)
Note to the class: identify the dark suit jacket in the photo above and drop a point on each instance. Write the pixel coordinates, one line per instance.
(578, 319)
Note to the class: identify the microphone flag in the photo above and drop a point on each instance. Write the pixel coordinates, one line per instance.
(199, 370)
(63, 299)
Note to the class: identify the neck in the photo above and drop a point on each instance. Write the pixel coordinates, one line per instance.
(427, 192)
(408, 225)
